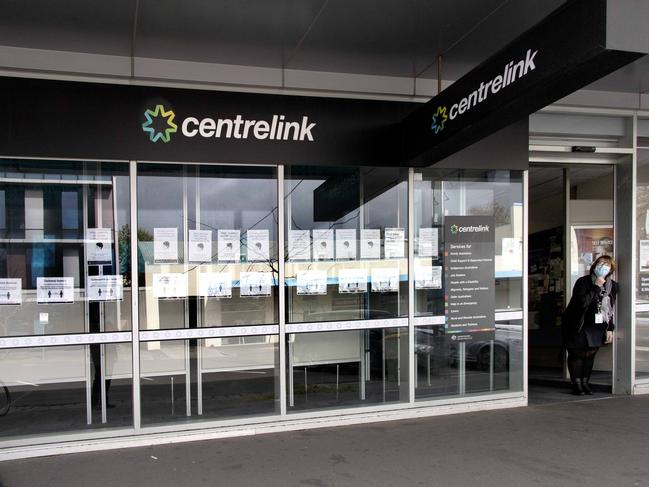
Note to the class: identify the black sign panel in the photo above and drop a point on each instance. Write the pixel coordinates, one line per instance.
(564, 52)
(469, 272)
(42, 118)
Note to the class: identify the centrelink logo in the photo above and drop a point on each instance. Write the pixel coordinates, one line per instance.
(511, 73)
(159, 113)
(277, 128)
(439, 119)
(469, 229)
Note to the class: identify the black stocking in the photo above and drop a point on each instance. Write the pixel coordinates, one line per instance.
(589, 361)
(576, 359)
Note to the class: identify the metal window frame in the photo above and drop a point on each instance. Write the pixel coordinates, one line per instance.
(53, 443)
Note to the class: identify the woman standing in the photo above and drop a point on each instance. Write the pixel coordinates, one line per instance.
(587, 323)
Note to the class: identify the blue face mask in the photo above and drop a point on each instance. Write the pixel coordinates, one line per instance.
(602, 270)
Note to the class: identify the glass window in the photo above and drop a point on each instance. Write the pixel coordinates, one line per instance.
(468, 243)
(208, 269)
(64, 241)
(346, 261)
(65, 273)
(346, 241)
(642, 281)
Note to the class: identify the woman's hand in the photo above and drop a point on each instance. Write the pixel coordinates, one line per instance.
(609, 337)
(600, 281)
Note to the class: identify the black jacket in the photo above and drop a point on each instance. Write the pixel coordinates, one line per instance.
(578, 322)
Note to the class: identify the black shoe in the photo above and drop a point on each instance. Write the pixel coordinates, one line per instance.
(586, 388)
(577, 390)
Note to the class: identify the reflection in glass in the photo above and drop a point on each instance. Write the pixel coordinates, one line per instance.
(347, 368)
(346, 232)
(50, 390)
(207, 252)
(488, 361)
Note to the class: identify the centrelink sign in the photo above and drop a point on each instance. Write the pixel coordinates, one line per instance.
(160, 125)
(512, 72)
(577, 44)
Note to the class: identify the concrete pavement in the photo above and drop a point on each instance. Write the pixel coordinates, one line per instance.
(600, 441)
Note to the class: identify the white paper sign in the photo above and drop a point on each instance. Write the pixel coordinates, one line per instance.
(215, 284)
(54, 290)
(352, 281)
(346, 244)
(255, 283)
(98, 246)
(165, 245)
(229, 245)
(428, 242)
(394, 243)
(258, 245)
(371, 243)
(428, 277)
(169, 286)
(312, 282)
(11, 291)
(644, 255)
(105, 288)
(323, 244)
(385, 280)
(200, 246)
(299, 245)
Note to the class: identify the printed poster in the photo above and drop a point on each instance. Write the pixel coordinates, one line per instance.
(346, 244)
(394, 243)
(255, 284)
(299, 245)
(11, 291)
(428, 242)
(200, 246)
(258, 245)
(215, 284)
(323, 244)
(385, 279)
(312, 282)
(169, 286)
(352, 281)
(99, 246)
(229, 245)
(428, 277)
(51, 290)
(105, 288)
(165, 245)
(371, 243)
